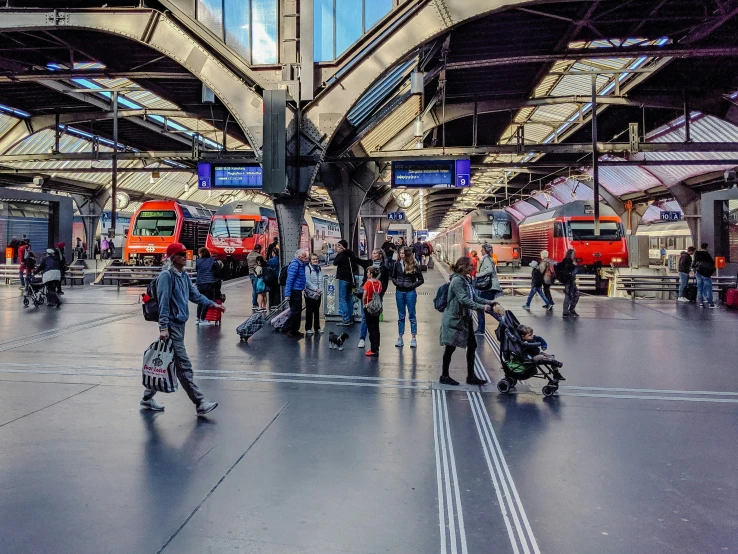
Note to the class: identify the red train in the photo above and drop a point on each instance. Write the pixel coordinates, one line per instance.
(237, 227)
(159, 223)
(572, 226)
(496, 227)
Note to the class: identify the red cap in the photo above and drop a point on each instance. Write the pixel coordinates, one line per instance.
(60, 244)
(175, 248)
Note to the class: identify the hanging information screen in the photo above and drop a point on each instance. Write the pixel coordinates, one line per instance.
(431, 173)
(216, 176)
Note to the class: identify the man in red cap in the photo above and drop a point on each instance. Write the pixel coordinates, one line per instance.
(174, 289)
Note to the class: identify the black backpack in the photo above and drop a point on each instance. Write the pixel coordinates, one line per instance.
(425, 250)
(150, 302)
(283, 276)
(562, 276)
(441, 300)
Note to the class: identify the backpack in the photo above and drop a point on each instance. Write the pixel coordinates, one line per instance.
(706, 269)
(561, 274)
(375, 305)
(425, 250)
(150, 302)
(283, 276)
(441, 300)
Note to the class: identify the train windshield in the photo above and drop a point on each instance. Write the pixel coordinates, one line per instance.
(223, 228)
(492, 230)
(584, 230)
(155, 223)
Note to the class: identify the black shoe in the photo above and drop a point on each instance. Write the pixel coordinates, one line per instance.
(446, 380)
(479, 332)
(474, 380)
(557, 375)
(565, 315)
(572, 312)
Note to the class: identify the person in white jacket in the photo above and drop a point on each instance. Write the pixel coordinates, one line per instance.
(313, 294)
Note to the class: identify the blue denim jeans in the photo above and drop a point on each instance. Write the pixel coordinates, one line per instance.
(345, 302)
(253, 289)
(406, 300)
(487, 295)
(704, 289)
(533, 291)
(22, 275)
(683, 280)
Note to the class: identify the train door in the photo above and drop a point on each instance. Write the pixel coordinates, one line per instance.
(559, 243)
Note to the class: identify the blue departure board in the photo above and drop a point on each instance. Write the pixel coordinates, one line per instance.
(431, 173)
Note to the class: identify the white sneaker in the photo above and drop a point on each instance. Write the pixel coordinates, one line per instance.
(152, 405)
(309, 332)
(413, 343)
(361, 343)
(400, 342)
(205, 407)
(682, 299)
(198, 322)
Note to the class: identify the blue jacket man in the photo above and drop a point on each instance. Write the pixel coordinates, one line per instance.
(173, 290)
(293, 293)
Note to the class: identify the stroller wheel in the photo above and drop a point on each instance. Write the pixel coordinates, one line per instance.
(41, 299)
(548, 390)
(503, 386)
(25, 302)
(512, 380)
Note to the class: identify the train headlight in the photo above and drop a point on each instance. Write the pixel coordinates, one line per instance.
(617, 260)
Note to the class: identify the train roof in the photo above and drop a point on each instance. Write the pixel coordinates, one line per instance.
(571, 209)
(479, 215)
(244, 208)
(189, 209)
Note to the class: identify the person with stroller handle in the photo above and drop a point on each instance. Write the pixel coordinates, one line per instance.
(456, 326)
(535, 347)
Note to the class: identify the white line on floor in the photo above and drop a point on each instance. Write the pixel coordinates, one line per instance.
(436, 434)
(650, 391)
(649, 397)
(459, 510)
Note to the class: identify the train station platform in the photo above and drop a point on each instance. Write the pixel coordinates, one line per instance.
(322, 451)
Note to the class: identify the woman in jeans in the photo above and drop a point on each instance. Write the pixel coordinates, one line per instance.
(456, 324)
(407, 277)
(313, 294)
(488, 285)
(378, 261)
(206, 267)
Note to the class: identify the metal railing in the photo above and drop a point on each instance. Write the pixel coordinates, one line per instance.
(131, 274)
(10, 273)
(515, 283)
(635, 284)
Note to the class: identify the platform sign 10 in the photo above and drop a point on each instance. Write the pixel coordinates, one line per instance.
(670, 216)
(396, 216)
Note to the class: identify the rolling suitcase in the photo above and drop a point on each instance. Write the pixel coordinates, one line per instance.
(251, 326)
(214, 315)
(423, 267)
(731, 298)
(690, 292)
(431, 263)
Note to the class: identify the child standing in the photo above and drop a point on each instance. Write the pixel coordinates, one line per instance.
(536, 350)
(372, 287)
(262, 290)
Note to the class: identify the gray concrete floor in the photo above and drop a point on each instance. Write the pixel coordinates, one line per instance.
(314, 451)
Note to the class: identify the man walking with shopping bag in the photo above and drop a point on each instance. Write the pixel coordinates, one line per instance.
(173, 290)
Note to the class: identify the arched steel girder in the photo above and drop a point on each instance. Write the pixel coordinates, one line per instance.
(325, 114)
(156, 30)
(24, 128)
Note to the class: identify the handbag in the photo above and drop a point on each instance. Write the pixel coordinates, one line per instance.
(484, 282)
(375, 304)
(260, 285)
(159, 372)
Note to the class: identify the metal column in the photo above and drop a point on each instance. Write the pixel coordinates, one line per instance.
(114, 182)
(595, 160)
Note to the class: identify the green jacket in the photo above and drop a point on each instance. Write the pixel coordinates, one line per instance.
(457, 317)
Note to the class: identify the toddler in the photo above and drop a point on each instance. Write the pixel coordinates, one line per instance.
(536, 351)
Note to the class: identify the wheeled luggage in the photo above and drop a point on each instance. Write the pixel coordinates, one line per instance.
(280, 319)
(690, 292)
(431, 263)
(251, 326)
(731, 298)
(213, 314)
(423, 267)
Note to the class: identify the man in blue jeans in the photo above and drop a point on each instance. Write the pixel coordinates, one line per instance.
(685, 266)
(347, 264)
(251, 264)
(704, 267)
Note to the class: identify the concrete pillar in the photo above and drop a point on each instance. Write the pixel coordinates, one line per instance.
(91, 208)
(347, 187)
(689, 202)
(290, 212)
(372, 225)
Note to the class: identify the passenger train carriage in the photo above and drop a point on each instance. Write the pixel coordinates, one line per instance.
(675, 237)
(572, 226)
(496, 227)
(159, 223)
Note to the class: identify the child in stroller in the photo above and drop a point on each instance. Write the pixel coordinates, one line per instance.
(522, 358)
(35, 292)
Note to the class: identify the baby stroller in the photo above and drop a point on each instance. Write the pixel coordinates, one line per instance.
(517, 365)
(35, 292)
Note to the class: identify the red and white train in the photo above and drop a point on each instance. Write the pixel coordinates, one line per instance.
(572, 226)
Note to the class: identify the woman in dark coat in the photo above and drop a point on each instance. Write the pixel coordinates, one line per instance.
(456, 324)
(571, 292)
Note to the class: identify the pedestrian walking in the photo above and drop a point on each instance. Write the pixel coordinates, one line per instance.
(546, 267)
(378, 262)
(24, 252)
(487, 283)
(536, 287)
(456, 323)
(571, 292)
(662, 253)
(293, 291)
(50, 270)
(173, 290)
(684, 267)
(704, 269)
(407, 277)
(313, 295)
(251, 265)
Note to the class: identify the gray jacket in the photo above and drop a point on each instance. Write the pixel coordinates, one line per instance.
(487, 265)
(457, 317)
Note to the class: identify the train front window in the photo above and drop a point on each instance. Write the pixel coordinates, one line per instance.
(492, 230)
(584, 230)
(223, 228)
(155, 223)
